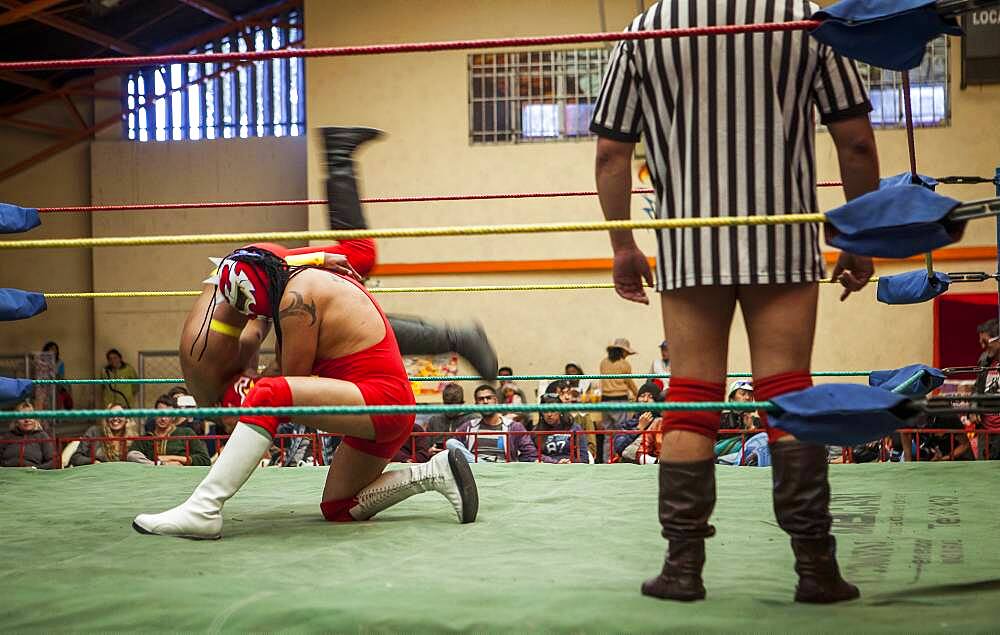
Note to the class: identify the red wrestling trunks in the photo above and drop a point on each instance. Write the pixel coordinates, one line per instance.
(379, 374)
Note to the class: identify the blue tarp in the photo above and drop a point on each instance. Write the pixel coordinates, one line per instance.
(14, 390)
(929, 379)
(838, 414)
(895, 222)
(17, 305)
(14, 219)
(889, 34)
(911, 287)
(905, 178)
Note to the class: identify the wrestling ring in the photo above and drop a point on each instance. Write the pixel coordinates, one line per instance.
(552, 550)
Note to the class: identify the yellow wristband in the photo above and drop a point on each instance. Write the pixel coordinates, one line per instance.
(315, 258)
(225, 329)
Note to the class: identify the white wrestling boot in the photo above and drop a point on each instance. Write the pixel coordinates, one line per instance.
(448, 473)
(200, 516)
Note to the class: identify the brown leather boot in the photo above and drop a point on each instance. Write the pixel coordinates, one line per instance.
(687, 498)
(802, 507)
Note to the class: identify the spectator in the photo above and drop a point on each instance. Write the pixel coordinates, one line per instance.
(740, 391)
(121, 394)
(661, 365)
(64, 398)
(33, 448)
(58, 368)
(568, 393)
(986, 331)
(416, 450)
(509, 392)
(573, 369)
(562, 442)
(106, 450)
(989, 382)
(490, 447)
(452, 395)
(644, 446)
(293, 451)
(615, 390)
(945, 446)
(167, 449)
(505, 371)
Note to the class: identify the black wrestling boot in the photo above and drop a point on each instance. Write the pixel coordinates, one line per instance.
(341, 185)
(687, 498)
(802, 507)
(419, 337)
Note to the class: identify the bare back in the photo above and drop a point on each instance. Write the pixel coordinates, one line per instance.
(325, 316)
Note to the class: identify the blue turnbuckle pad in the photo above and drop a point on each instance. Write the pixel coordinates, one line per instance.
(840, 414)
(915, 380)
(18, 305)
(912, 287)
(889, 34)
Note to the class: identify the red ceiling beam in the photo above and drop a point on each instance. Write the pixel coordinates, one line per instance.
(35, 126)
(78, 30)
(23, 79)
(26, 11)
(212, 9)
(75, 112)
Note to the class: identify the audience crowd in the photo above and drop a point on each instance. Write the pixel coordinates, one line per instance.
(496, 435)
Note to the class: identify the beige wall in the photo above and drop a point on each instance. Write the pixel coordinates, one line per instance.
(421, 101)
(61, 180)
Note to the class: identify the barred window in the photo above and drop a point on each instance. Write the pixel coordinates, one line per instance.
(929, 91)
(533, 96)
(210, 101)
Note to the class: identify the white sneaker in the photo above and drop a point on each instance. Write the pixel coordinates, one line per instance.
(448, 473)
(200, 516)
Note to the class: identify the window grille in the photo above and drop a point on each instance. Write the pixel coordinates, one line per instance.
(533, 96)
(930, 98)
(549, 95)
(211, 101)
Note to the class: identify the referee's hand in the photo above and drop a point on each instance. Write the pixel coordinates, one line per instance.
(631, 270)
(853, 272)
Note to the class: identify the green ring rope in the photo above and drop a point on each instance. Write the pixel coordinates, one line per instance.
(180, 380)
(292, 411)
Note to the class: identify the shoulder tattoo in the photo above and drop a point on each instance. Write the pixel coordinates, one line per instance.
(299, 307)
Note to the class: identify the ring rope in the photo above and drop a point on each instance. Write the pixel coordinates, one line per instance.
(414, 232)
(945, 180)
(323, 201)
(407, 47)
(458, 289)
(293, 411)
(432, 378)
(953, 180)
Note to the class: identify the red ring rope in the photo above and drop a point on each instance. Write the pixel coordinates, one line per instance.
(321, 201)
(408, 47)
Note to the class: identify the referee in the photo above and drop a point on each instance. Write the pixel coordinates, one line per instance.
(729, 128)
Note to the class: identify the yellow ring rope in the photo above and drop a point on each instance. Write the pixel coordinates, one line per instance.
(413, 232)
(466, 289)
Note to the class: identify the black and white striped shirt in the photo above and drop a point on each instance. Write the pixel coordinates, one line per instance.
(729, 130)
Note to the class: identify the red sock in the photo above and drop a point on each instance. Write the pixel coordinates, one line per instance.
(267, 391)
(338, 511)
(767, 388)
(703, 422)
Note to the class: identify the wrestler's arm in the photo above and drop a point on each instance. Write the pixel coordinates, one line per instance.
(251, 338)
(204, 367)
(299, 331)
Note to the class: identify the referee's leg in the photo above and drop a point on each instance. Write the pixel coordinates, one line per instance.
(696, 322)
(781, 325)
